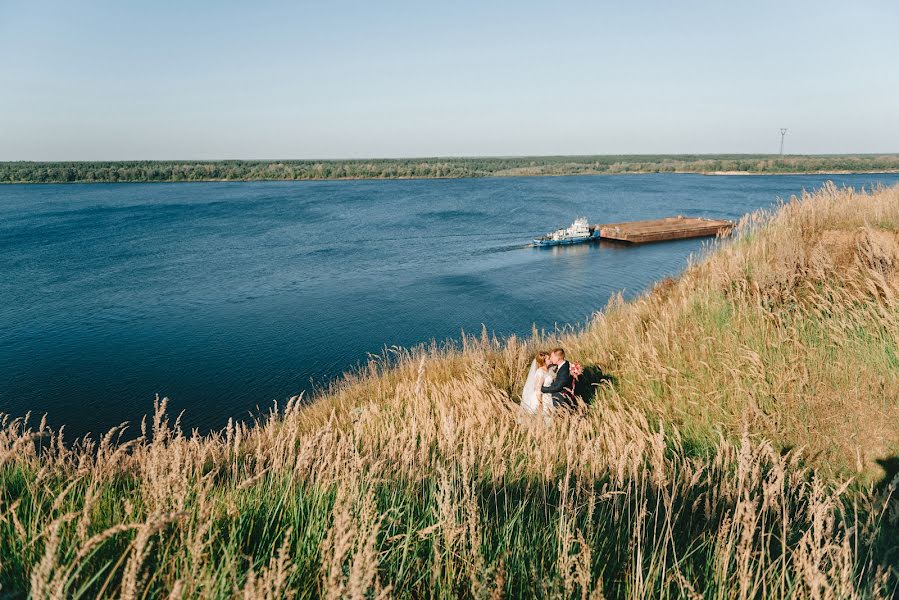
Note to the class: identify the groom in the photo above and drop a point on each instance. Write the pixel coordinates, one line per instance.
(562, 387)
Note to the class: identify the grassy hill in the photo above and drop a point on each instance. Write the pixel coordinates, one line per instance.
(739, 441)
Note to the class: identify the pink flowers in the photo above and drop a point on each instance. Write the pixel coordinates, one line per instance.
(576, 370)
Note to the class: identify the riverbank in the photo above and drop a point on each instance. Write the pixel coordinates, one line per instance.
(840, 172)
(438, 168)
(740, 440)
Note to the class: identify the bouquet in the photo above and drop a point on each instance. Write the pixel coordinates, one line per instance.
(576, 370)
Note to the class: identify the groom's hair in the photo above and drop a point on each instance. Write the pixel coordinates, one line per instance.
(559, 351)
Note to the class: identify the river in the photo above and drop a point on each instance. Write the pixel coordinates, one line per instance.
(227, 296)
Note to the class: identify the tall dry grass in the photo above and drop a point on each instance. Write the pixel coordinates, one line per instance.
(731, 455)
(792, 331)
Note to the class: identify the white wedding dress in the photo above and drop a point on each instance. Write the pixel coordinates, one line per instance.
(533, 401)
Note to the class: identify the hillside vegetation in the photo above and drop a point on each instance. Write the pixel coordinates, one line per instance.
(243, 170)
(740, 443)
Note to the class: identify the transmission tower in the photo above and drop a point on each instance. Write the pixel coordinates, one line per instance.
(783, 132)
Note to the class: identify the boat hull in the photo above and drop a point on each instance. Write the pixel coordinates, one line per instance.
(547, 243)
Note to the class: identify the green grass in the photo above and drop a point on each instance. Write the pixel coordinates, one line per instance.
(519, 521)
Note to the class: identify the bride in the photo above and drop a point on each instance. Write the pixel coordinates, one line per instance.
(533, 401)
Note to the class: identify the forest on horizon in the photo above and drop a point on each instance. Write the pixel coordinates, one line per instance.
(401, 168)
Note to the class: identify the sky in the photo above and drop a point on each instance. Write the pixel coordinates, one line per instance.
(97, 80)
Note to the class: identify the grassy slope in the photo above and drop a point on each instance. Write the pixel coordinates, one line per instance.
(744, 395)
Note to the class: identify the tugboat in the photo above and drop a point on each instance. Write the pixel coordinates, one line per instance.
(580, 231)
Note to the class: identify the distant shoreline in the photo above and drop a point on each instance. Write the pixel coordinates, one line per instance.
(426, 178)
(838, 172)
(173, 171)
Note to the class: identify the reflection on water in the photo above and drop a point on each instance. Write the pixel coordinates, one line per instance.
(226, 296)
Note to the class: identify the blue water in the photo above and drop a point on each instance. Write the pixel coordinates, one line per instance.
(227, 296)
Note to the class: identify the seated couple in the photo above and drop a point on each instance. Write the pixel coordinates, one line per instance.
(549, 384)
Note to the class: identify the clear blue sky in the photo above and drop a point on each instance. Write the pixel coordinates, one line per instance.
(199, 80)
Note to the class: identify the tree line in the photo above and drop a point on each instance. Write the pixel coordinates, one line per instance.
(247, 170)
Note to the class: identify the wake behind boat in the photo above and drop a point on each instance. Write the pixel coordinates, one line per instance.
(580, 231)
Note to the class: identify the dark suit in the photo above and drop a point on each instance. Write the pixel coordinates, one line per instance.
(562, 387)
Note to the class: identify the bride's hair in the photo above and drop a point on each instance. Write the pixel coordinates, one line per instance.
(541, 359)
